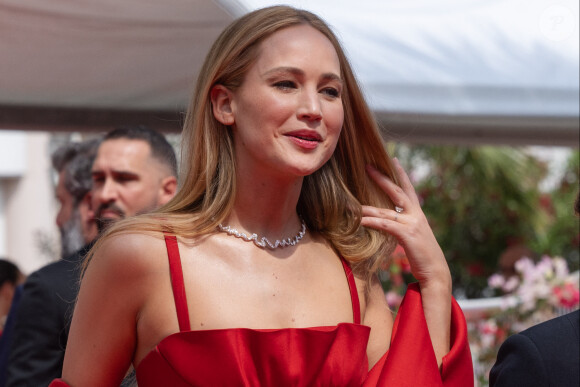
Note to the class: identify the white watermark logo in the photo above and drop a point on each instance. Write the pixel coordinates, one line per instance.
(557, 23)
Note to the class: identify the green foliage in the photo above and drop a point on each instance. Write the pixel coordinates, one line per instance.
(562, 238)
(481, 200)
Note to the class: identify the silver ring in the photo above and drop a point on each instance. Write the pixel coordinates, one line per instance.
(399, 209)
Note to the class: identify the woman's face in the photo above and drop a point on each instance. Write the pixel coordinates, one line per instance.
(288, 114)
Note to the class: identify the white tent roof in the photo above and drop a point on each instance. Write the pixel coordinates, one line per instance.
(452, 70)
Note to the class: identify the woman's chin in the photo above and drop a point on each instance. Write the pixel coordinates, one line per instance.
(302, 171)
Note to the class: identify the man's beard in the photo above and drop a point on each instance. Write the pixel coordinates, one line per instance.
(103, 223)
(71, 235)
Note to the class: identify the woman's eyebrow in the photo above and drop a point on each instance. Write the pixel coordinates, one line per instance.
(331, 77)
(284, 69)
(298, 72)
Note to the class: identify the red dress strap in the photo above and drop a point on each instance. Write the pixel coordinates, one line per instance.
(353, 291)
(177, 282)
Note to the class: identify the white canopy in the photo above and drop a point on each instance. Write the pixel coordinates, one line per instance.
(453, 70)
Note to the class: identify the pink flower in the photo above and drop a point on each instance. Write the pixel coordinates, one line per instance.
(544, 268)
(560, 267)
(511, 284)
(489, 327)
(568, 295)
(496, 281)
(525, 267)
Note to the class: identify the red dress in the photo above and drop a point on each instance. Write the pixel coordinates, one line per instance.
(318, 356)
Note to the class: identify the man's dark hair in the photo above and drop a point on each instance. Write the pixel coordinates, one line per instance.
(76, 160)
(161, 149)
(9, 272)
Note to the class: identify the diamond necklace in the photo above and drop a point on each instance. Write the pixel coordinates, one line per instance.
(264, 242)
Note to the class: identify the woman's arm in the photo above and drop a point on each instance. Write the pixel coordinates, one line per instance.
(436, 296)
(428, 264)
(102, 337)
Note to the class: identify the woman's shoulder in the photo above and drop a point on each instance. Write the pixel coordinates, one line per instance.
(130, 252)
(132, 239)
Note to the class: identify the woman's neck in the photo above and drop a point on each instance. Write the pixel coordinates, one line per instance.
(266, 207)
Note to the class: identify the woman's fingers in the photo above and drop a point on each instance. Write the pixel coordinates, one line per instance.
(405, 181)
(382, 213)
(396, 193)
(406, 222)
(384, 220)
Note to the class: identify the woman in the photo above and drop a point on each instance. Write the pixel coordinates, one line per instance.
(277, 140)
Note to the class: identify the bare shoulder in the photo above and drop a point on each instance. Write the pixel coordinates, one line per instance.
(125, 266)
(119, 281)
(129, 254)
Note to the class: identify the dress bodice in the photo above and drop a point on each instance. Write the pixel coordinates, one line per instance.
(316, 356)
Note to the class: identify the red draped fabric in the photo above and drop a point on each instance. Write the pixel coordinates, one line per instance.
(321, 356)
(317, 356)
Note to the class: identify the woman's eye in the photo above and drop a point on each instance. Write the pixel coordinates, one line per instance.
(331, 91)
(285, 85)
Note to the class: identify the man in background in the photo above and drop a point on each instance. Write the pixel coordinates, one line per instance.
(40, 319)
(547, 354)
(134, 172)
(75, 220)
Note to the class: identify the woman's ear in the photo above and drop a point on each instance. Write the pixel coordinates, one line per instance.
(221, 103)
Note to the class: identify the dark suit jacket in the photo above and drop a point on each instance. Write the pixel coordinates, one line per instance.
(547, 354)
(7, 335)
(42, 323)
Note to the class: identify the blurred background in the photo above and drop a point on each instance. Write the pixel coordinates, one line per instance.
(478, 99)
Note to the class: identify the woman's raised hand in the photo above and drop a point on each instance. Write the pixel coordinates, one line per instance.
(408, 224)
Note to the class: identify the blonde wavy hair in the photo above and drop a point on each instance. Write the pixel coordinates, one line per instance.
(331, 198)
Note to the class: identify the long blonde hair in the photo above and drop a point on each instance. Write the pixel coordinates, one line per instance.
(330, 201)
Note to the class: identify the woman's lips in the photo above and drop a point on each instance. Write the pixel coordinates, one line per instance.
(305, 138)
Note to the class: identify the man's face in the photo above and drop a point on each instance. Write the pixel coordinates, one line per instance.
(126, 181)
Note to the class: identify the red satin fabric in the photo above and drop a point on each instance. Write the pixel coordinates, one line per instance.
(319, 356)
(326, 356)
(410, 360)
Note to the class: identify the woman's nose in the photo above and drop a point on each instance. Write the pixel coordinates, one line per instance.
(310, 107)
